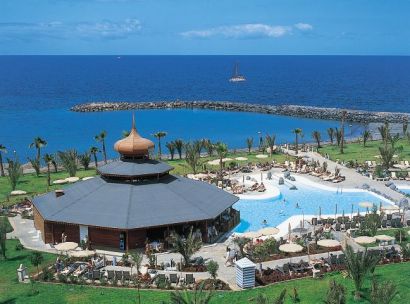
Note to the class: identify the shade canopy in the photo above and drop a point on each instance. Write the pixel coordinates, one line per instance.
(214, 162)
(290, 248)
(366, 204)
(226, 159)
(18, 192)
(269, 231)
(261, 156)
(81, 253)
(66, 246)
(365, 240)
(384, 237)
(252, 234)
(328, 243)
(59, 182)
(240, 158)
(72, 179)
(87, 178)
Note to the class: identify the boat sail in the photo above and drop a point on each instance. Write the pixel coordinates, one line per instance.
(236, 77)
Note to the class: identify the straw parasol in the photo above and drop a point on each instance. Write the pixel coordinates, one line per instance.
(384, 238)
(81, 253)
(328, 243)
(366, 204)
(390, 207)
(18, 192)
(268, 231)
(66, 246)
(72, 179)
(87, 178)
(290, 248)
(214, 162)
(261, 156)
(365, 240)
(251, 234)
(59, 182)
(241, 158)
(226, 159)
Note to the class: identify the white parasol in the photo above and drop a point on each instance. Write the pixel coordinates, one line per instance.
(365, 240)
(66, 246)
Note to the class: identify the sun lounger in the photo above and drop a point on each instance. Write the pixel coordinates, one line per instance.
(173, 278)
(189, 279)
(110, 274)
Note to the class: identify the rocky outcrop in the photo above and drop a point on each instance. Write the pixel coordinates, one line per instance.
(288, 110)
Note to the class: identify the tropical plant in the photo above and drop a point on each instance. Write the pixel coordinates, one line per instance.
(366, 135)
(384, 131)
(294, 296)
(94, 151)
(69, 161)
(171, 148)
(371, 223)
(35, 163)
(270, 141)
(249, 144)
(209, 147)
(3, 236)
(159, 135)
(241, 243)
(38, 143)
(185, 246)
(179, 145)
(317, 137)
(338, 134)
(342, 131)
(359, 265)
(36, 258)
(405, 250)
(262, 298)
(137, 262)
(212, 268)
(383, 293)
(192, 156)
(2, 150)
(405, 126)
(101, 138)
(85, 159)
(198, 296)
(15, 171)
(221, 150)
(297, 132)
(331, 134)
(336, 294)
(48, 159)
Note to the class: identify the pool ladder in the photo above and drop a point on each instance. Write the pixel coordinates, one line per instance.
(339, 190)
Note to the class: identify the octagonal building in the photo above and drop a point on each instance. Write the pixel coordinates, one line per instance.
(133, 200)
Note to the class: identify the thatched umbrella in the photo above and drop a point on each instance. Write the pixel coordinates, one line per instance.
(252, 234)
(269, 231)
(328, 243)
(66, 246)
(365, 240)
(290, 248)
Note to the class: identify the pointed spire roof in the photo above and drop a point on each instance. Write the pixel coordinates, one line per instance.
(134, 145)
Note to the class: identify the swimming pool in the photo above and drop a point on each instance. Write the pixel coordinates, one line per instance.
(308, 198)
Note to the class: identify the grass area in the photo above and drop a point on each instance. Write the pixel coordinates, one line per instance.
(9, 228)
(33, 185)
(392, 232)
(182, 168)
(310, 290)
(355, 151)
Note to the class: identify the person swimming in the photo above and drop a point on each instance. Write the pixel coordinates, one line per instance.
(297, 206)
(264, 222)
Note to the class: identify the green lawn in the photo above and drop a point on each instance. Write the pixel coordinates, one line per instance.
(310, 291)
(356, 151)
(9, 228)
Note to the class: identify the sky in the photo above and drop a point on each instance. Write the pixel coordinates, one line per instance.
(208, 27)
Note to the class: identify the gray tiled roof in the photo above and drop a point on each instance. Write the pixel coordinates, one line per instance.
(171, 200)
(134, 168)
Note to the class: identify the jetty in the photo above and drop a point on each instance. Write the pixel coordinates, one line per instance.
(359, 116)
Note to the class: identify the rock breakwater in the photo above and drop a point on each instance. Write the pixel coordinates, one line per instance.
(358, 116)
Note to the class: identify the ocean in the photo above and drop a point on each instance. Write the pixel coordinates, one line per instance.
(36, 93)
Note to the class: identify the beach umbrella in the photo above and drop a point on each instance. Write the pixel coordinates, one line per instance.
(261, 156)
(251, 234)
(383, 237)
(72, 179)
(214, 162)
(87, 178)
(66, 246)
(18, 192)
(289, 230)
(351, 215)
(224, 160)
(241, 158)
(365, 240)
(81, 253)
(328, 243)
(290, 248)
(366, 204)
(268, 231)
(59, 182)
(320, 212)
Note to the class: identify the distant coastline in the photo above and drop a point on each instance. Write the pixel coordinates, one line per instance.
(358, 116)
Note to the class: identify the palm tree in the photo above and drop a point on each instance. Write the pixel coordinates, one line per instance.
(85, 159)
(297, 132)
(270, 141)
(317, 136)
(342, 131)
(36, 258)
(209, 147)
(338, 134)
(198, 296)
(137, 261)
(359, 265)
(171, 148)
(179, 145)
(2, 150)
(48, 158)
(192, 156)
(331, 133)
(405, 126)
(336, 294)
(241, 243)
(101, 138)
(15, 171)
(222, 151)
(383, 293)
(35, 163)
(159, 135)
(38, 143)
(54, 162)
(366, 135)
(69, 161)
(94, 151)
(249, 144)
(261, 298)
(384, 131)
(185, 246)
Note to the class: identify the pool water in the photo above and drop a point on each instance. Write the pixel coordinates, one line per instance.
(404, 190)
(307, 197)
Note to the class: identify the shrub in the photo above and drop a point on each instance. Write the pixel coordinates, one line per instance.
(19, 247)
(62, 278)
(212, 268)
(46, 275)
(403, 234)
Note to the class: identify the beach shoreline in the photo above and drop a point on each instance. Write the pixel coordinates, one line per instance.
(359, 116)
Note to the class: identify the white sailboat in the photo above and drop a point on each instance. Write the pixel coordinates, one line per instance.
(236, 77)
